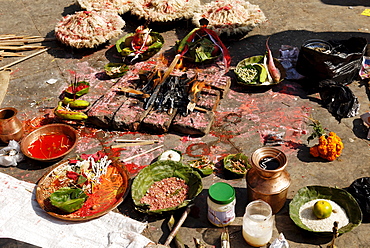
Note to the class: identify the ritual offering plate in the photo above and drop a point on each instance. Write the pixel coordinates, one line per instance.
(236, 165)
(344, 209)
(164, 186)
(252, 72)
(84, 189)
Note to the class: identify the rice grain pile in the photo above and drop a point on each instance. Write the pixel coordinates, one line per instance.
(322, 225)
(167, 193)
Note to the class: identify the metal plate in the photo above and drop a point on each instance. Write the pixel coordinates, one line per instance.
(106, 196)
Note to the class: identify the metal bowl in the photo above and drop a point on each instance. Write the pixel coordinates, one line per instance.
(318, 45)
(49, 129)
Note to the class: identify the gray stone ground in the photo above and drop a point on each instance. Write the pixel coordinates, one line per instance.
(278, 109)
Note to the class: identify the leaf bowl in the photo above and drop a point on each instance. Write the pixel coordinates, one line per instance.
(260, 79)
(158, 171)
(236, 165)
(341, 197)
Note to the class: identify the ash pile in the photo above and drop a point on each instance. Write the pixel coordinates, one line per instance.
(146, 100)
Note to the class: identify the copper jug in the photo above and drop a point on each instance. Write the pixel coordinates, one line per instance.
(11, 128)
(268, 184)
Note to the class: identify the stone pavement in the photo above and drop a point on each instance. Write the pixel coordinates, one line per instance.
(242, 120)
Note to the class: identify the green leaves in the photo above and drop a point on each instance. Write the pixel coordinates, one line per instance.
(125, 46)
(318, 130)
(115, 70)
(340, 196)
(68, 199)
(160, 170)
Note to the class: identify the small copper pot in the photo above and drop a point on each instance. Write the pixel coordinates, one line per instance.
(11, 128)
(269, 185)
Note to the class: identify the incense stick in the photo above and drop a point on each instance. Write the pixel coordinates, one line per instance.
(143, 153)
(22, 59)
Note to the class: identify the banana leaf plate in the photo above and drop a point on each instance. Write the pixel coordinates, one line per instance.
(339, 196)
(158, 171)
(106, 196)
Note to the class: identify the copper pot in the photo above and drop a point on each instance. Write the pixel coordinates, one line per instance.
(270, 185)
(11, 128)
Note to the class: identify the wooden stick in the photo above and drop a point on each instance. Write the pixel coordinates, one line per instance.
(11, 43)
(150, 142)
(11, 54)
(143, 153)
(23, 59)
(171, 67)
(128, 140)
(18, 48)
(201, 109)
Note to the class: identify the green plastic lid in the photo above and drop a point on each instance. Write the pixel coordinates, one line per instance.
(221, 193)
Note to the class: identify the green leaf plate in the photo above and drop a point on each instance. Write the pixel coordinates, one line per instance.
(160, 170)
(339, 196)
(257, 80)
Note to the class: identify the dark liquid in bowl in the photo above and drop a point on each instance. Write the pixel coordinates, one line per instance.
(269, 163)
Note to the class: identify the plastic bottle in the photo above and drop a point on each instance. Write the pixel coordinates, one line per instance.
(221, 204)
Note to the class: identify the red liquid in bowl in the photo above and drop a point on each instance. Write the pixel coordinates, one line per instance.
(50, 146)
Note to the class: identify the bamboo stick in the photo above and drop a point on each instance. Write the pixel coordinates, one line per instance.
(23, 41)
(150, 142)
(136, 140)
(11, 43)
(22, 59)
(10, 54)
(143, 153)
(19, 48)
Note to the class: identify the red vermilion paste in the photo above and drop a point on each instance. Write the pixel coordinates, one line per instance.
(50, 146)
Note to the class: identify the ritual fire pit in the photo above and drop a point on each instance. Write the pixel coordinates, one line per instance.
(152, 99)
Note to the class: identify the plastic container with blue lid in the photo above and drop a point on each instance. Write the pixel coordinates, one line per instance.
(221, 204)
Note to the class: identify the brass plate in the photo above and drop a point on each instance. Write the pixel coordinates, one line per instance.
(107, 195)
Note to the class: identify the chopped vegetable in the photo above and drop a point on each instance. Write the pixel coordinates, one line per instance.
(203, 165)
(236, 164)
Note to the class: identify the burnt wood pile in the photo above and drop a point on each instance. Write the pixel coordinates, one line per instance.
(141, 101)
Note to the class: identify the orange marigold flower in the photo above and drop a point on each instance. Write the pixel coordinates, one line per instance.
(314, 151)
